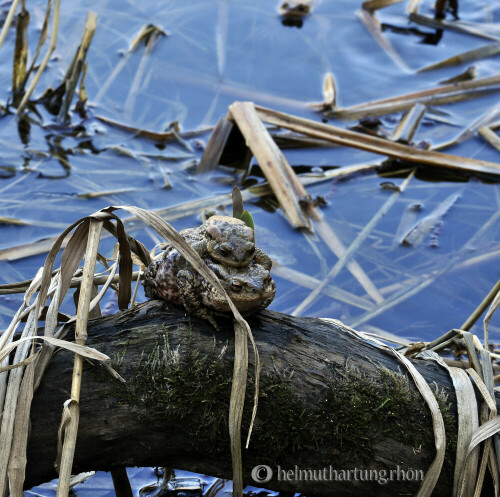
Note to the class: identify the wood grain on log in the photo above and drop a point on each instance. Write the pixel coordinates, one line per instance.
(327, 400)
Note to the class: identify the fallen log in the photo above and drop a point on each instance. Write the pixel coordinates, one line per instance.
(329, 402)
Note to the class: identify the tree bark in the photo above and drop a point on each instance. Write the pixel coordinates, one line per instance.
(328, 403)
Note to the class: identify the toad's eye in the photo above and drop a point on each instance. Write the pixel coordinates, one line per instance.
(225, 249)
(236, 286)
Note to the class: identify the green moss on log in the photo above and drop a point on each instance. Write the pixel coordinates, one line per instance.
(354, 413)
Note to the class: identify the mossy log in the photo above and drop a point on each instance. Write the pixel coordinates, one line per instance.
(327, 400)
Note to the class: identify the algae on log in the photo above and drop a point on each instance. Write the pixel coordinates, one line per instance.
(327, 400)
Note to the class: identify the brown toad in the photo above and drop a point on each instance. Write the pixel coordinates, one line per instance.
(173, 279)
(226, 240)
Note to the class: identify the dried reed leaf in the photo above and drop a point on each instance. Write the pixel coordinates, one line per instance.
(12, 221)
(465, 467)
(41, 39)
(17, 460)
(45, 61)
(8, 21)
(77, 64)
(469, 56)
(20, 50)
(82, 350)
(241, 353)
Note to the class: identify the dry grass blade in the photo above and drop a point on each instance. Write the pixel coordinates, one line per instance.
(494, 306)
(17, 460)
(79, 349)
(11, 401)
(273, 163)
(353, 247)
(432, 475)
(45, 61)
(469, 56)
(375, 144)
(80, 339)
(8, 21)
(41, 40)
(12, 221)
(373, 26)
(20, 50)
(77, 65)
(465, 467)
(440, 94)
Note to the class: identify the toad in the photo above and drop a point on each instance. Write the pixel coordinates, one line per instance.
(226, 240)
(173, 279)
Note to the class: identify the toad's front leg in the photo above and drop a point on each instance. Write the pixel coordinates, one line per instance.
(190, 290)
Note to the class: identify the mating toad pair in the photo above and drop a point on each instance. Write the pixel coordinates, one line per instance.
(227, 247)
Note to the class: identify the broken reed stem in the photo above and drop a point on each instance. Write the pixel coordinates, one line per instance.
(441, 94)
(71, 429)
(375, 144)
(45, 61)
(274, 165)
(469, 322)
